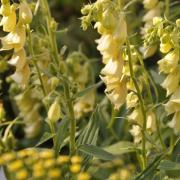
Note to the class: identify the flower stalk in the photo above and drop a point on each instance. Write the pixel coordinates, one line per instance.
(141, 104)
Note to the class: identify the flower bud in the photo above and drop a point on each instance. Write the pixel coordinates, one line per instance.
(25, 14)
(157, 20)
(2, 112)
(54, 112)
(54, 81)
(149, 4)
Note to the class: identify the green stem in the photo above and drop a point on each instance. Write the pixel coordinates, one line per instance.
(72, 119)
(141, 104)
(167, 11)
(34, 60)
(51, 31)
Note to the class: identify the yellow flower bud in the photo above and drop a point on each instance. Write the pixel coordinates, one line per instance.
(136, 116)
(151, 122)
(131, 100)
(149, 4)
(54, 81)
(25, 14)
(157, 20)
(2, 112)
(150, 51)
(54, 112)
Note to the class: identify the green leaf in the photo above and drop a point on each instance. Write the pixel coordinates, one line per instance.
(96, 152)
(172, 169)
(61, 135)
(87, 90)
(45, 137)
(149, 172)
(89, 134)
(121, 147)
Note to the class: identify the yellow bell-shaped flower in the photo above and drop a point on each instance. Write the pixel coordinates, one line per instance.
(18, 59)
(15, 39)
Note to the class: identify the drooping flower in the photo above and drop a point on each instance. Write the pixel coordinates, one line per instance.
(15, 39)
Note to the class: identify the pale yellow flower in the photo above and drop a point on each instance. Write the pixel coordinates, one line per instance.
(25, 14)
(136, 133)
(175, 123)
(18, 59)
(136, 116)
(131, 100)
(172, 81)
(116, 91)
(9, 22)
(169, 62)
(165, 47)
(120, 32)
(22, 76)
(151, 122)
(15, 39)
(173, 105)
(113, 67)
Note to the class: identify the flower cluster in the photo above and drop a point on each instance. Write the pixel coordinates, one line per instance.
(169, 65)
(15, 39)
(154, 8)
(136, 117)
(111, 24)
(167, 33)
(39, 165)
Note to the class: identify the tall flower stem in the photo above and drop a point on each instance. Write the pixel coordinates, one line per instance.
(34, 60)
(167, 10)
(51, 31)
(141, 104)
(71, 118)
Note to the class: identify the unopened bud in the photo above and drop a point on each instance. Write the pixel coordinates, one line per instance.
(54, 112)
(2, 112)
(25, 13)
